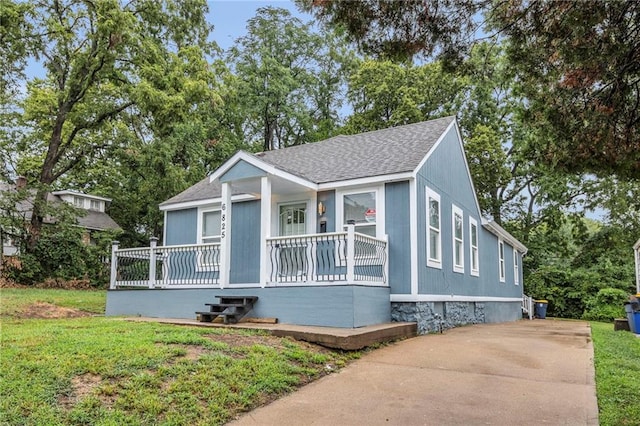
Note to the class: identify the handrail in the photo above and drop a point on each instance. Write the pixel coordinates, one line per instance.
(310, 259)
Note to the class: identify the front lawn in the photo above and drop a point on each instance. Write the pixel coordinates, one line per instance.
(617, 362)
(96, 370)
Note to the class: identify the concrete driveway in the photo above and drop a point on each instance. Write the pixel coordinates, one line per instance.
(521, 373)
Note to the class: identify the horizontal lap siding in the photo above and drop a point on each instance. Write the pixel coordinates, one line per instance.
(335, 306)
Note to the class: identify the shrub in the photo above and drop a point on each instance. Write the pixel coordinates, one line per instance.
(606, 305)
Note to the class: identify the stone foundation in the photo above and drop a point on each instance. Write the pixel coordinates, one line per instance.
(432, 317)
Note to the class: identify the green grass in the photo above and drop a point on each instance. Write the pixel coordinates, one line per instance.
(617, 362)
(14, 300)
(106, 371)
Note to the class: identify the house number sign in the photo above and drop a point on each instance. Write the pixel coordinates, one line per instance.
(223, 221)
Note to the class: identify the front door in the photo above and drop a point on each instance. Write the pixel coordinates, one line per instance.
(292, 258)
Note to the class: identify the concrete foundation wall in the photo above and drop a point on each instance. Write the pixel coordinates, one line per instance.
(433, 317)
(331, 306)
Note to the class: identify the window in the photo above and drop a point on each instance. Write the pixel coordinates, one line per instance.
(501, 260)
(458, 239)
(210, 227)
(473, 247)
(209, 233)
(78, 202)
(516, 268)
(95, 205)
(360, 209)
(434, 243)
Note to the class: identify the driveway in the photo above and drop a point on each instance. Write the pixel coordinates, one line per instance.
(521, 373)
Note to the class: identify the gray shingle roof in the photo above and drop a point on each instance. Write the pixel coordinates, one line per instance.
(381, 152)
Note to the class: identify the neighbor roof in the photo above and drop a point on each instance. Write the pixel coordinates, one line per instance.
(382, 152)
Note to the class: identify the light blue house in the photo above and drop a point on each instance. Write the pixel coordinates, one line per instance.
(348, 232)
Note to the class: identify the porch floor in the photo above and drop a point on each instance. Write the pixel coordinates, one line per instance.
(333, 337)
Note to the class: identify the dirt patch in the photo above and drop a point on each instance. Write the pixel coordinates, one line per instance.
(235, 340)
(81, 386)
(47, 310)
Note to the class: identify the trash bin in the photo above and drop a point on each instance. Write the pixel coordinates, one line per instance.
(630, 317)
(541, 309)
(636, 322)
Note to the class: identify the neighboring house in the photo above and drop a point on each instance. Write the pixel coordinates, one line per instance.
(93, 219)
(347, 232)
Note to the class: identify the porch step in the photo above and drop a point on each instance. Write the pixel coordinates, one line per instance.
(230, 308)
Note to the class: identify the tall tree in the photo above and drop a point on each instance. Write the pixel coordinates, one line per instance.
(400, 30)
(385, 94)
(582, 60)
(287, 79)
(107, 64)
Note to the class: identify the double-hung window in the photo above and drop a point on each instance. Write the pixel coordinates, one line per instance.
(457, 223)
(501, 264)
(78, 202)
(209, 233)
(434, 241)
(516, 268)
(473, 247)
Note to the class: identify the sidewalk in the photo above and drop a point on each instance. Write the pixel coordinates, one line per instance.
(524, 373)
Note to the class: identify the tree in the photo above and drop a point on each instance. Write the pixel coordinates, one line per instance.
(114, 72)
(385, 94)
(287, 81)
(400, 30)
(581, 61)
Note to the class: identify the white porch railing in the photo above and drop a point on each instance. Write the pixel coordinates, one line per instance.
(527, 305)
(335, 257)
(179, 266)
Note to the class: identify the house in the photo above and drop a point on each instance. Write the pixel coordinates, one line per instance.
(351, 231)
(93, 217)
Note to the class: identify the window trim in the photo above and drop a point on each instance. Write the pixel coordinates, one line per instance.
(501, 261)
(457, 211)
(475, 272)
(433, 262)
(516, 268)
(200, 265)
(380, 218)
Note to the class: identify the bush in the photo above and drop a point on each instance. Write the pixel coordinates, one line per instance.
(606, 305)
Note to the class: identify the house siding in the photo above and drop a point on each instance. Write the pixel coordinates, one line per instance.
(445, 173)
(397, 227)
(328, 198)
(245, 242)
(242, 170)
(181, 227)
(346, 306)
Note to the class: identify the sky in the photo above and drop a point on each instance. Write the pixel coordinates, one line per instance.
(229, 18)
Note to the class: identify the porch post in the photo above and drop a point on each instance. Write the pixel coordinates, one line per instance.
(225, 235)
(153, 242)
(351, 253)
(265, 228)
(636, 257)
(114, 264)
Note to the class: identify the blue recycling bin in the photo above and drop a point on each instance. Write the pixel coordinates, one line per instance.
(540, 309)
(636, 322)
(631, 318)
